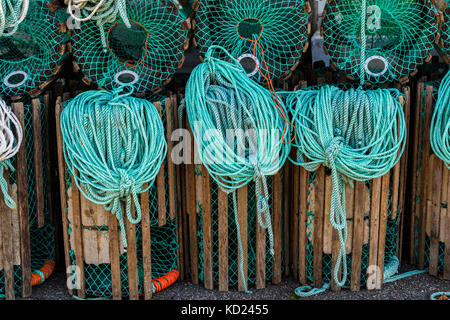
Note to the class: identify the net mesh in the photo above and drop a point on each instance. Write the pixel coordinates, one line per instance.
(28, 58)
(145, 55)
(400, 35)
(42, 240)
(233, 256)
(391, 244)
(445, 30)
(164, 243)
(421, 134)
(280, 25)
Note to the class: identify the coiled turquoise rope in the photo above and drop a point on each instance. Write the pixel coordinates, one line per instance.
(440, 124)
(221, 99)
(113, 144)
(360, 135)
(12, 13)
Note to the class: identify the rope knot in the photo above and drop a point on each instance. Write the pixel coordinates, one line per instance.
(332, 151)
(127, 184)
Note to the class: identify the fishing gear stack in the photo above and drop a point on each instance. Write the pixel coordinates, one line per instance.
(119, 193)
(236, 195)
(32, 50)
(349, 190)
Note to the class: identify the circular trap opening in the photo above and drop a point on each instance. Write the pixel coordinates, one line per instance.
(248, 28)
(126, 77)
(376, 66)
(128, 45)
(250, 64)
(15, 79)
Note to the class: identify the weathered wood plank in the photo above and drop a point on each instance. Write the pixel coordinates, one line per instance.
(384, 208)
(38, 163)
(115, 257)
(360, 206)
(435, 202)
(277, 215)
(223, 240)
(303, 195)
(132, 257)
(242, 201)
(146, 244)
(207, 229)
(319, 186)
(161, 185)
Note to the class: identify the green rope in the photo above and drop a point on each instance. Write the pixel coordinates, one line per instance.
(113, 144)
(440, 124)
(360, 135)
(222, 100)
(12, 13)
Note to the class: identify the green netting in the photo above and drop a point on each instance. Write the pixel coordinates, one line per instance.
(391, 245)
(421, 134)
(164, 242)
(279, 26)
(145, 55)
(400, 35)
(445, 30)
(233, 257)
(29, 57)
(42, 240)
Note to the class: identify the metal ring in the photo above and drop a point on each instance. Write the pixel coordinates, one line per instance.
(126, 72)
(376, 57)
(248, 55)
(12, 74)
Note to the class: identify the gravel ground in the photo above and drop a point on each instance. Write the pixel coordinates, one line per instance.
(418, 287)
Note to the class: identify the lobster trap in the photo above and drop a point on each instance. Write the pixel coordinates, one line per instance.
(430, 219)
(27, 233)
(374, 213)
(97, 263)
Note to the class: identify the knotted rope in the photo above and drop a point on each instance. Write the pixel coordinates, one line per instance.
(238, 132)
(113, 144)
(360, 135)
(440, 124)
(100, 11)
(11, 135)
(12, 13)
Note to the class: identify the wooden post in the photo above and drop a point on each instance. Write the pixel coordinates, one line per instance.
(223, 240)
(242, 196)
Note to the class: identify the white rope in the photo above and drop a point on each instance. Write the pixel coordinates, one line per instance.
(9, 15)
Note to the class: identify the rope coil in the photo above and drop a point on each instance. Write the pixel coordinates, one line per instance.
(440, 124)
(113, 145)
(12, 13)
(11, 136)
(237, 130)
(360, 135)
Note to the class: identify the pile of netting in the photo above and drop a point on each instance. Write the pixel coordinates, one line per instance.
(266, 36)
(417, 223)
(140, 43)
(112, 195)
(399, 37)
(31, 50)
(42, 239)
(445, 29)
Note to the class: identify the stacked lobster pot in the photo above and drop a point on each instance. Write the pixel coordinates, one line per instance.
(349, 178)
(235, 200)
(32, 49)
(121, 231)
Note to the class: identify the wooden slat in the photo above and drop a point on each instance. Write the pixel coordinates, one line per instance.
(38, 163)
(277, 215)
(319, 191)
(374, 232)
(132, 257)
(22, 206)
(207, 229)
(114, 256)
(327, 228)
(223, 240)
(78, 236)
(242, 201)
(424, 181)
(292, 195)
(146, 244)
(436, 188)
(290, 222)
(303, 195)
(384, 208)
(161, 186)
(415, 206)
(170, 165)
(6, 242)
(192, 211)
(360, 206)
(444, 200)
(62, 184)
(260, 255)
(447, 236)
